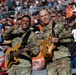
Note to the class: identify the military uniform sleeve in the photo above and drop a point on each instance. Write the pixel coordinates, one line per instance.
(32, 43)
(66, 40)
(64, 34)
(8, 34)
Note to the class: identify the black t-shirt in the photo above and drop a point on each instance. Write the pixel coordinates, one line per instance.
(72, 46)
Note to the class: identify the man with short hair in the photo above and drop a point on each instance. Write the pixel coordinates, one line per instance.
(26, 39)
(59, 64)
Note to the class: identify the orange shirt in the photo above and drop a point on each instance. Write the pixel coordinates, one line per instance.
(69, 12)
(40, 27)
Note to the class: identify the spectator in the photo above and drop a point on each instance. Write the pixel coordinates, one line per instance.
(73, 2)
(72, 46)
(11, 4)
(25, 4)
(69, 10)
(50, 3)
(33, 26)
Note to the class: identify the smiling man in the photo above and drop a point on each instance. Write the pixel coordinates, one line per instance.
(56, 65)
(23, 37)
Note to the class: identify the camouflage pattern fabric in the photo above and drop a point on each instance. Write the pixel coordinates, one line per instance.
(65, 36)
(24, 67)
(17, 36)
(59, 67)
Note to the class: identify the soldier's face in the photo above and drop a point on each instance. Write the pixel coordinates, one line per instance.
(25, 23)
(44, 16)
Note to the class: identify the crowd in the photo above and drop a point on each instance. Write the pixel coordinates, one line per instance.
(37, 34)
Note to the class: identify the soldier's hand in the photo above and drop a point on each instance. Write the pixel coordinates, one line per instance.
(55, 40)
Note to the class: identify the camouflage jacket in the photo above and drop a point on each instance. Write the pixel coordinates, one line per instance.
(17, 36)
(63, 34)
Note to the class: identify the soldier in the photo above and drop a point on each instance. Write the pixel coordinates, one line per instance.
(59, 64)
(27, 41)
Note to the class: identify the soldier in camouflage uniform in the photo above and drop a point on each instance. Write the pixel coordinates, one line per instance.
(60, 64)
(17, 35)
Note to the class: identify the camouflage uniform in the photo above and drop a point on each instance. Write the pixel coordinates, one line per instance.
(60, 64)
(24, 67)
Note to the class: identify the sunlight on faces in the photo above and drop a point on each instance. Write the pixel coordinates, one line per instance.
(44, 16)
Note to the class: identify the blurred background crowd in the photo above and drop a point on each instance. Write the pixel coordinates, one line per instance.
(11, 12)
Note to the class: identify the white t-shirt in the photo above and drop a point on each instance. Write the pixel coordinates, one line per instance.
(74, 34)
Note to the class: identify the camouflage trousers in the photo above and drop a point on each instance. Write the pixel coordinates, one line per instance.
(24, 68)
(60, 66)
